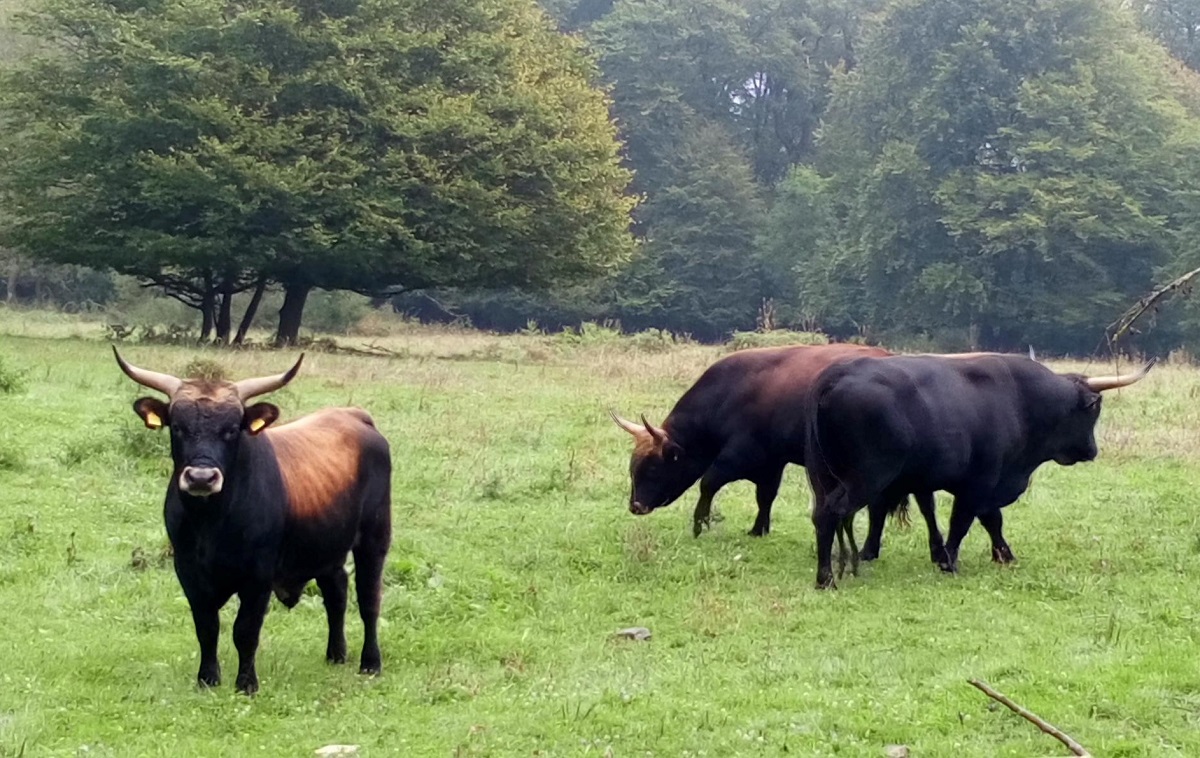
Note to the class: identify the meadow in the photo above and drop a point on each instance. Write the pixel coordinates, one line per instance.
(515, 560)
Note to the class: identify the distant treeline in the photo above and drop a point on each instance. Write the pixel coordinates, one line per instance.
(948, 173)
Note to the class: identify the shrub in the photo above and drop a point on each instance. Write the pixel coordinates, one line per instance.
(335, 312)
(204, 368)
(590, 333)
(774, 338)
(655, 341)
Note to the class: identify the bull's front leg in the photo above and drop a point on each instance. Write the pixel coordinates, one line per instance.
(961, 517)
(993, 522)
(206, 617)
(252, 609)
(937, 546)
(710, 484)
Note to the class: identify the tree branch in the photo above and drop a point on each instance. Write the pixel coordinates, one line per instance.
(1053, 731)
(1121, 326)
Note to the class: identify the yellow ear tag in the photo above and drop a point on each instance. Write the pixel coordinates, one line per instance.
(152, 420)
(256, 425)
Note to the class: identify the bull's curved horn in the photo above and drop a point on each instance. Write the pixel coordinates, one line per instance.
(248, 388)
(164, 383)
(626, 424)
(1102, 383)
(658, 434)
(1032, 357)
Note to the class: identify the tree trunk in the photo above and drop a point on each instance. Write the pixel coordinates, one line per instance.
(207, 309)
(251, 311)
(224, 316)
(294, 297)
(10, 286)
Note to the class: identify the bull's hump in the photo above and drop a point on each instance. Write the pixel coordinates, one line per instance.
(318, 457)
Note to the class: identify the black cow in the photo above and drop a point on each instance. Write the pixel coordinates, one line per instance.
(251, 509)
(976, 426)
(744, 418)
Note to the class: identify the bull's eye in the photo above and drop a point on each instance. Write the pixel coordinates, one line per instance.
(229, 434)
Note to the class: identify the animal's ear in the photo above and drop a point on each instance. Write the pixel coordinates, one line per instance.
(154, 413)
(259, 416)
(672, 452)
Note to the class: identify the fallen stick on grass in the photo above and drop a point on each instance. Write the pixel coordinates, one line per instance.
(1053, 731)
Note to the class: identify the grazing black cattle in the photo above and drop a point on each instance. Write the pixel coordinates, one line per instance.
(744, 418)
(251, 510)
(976, 426)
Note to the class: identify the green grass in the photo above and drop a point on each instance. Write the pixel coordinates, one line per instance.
(515, 559)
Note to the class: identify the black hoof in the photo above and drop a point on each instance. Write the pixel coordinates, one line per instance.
(759, 531)
(373, 669)
(247, 684)
(866, 554)
(1003, 555)
(209, 679)
(336, 658)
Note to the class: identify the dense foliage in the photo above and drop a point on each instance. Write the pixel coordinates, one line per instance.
(355, 145)
(944, 173)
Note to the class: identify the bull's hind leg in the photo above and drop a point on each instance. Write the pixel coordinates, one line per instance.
(333, 592)
(370, 554)
(767, 488)
(826, 519)
(993, 522)
(876, 515)
(846, 529)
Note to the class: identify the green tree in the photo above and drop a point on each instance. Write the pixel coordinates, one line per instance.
(1005, 172)
(698, 271)
(353, 145)
(1177, 24)
(796, 247)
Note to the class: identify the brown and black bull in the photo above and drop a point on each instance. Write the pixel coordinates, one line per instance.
(744, 418)
(253, 508)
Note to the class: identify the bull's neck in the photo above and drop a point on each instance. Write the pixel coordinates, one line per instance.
(692, 436)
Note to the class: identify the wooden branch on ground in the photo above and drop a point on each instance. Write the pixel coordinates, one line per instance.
(1121, 326)
(1053, 731)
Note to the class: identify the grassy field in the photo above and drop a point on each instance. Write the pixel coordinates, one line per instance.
(515, 560)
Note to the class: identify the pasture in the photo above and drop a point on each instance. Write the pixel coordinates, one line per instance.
(515, 559)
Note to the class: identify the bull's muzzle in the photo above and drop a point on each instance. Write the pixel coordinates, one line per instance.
(201, 481)
(638, 509)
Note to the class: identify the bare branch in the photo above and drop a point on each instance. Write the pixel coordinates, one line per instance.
(1053, 731)
(1121, 326)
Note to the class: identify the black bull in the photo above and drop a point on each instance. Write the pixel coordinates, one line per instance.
(975, 426)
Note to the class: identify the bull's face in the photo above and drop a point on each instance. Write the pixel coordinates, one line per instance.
(660, 469)
(1073, 439)
(208, 422)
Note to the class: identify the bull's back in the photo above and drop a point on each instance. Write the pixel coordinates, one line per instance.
(764, 391)
(323, 457)
(933, 419)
